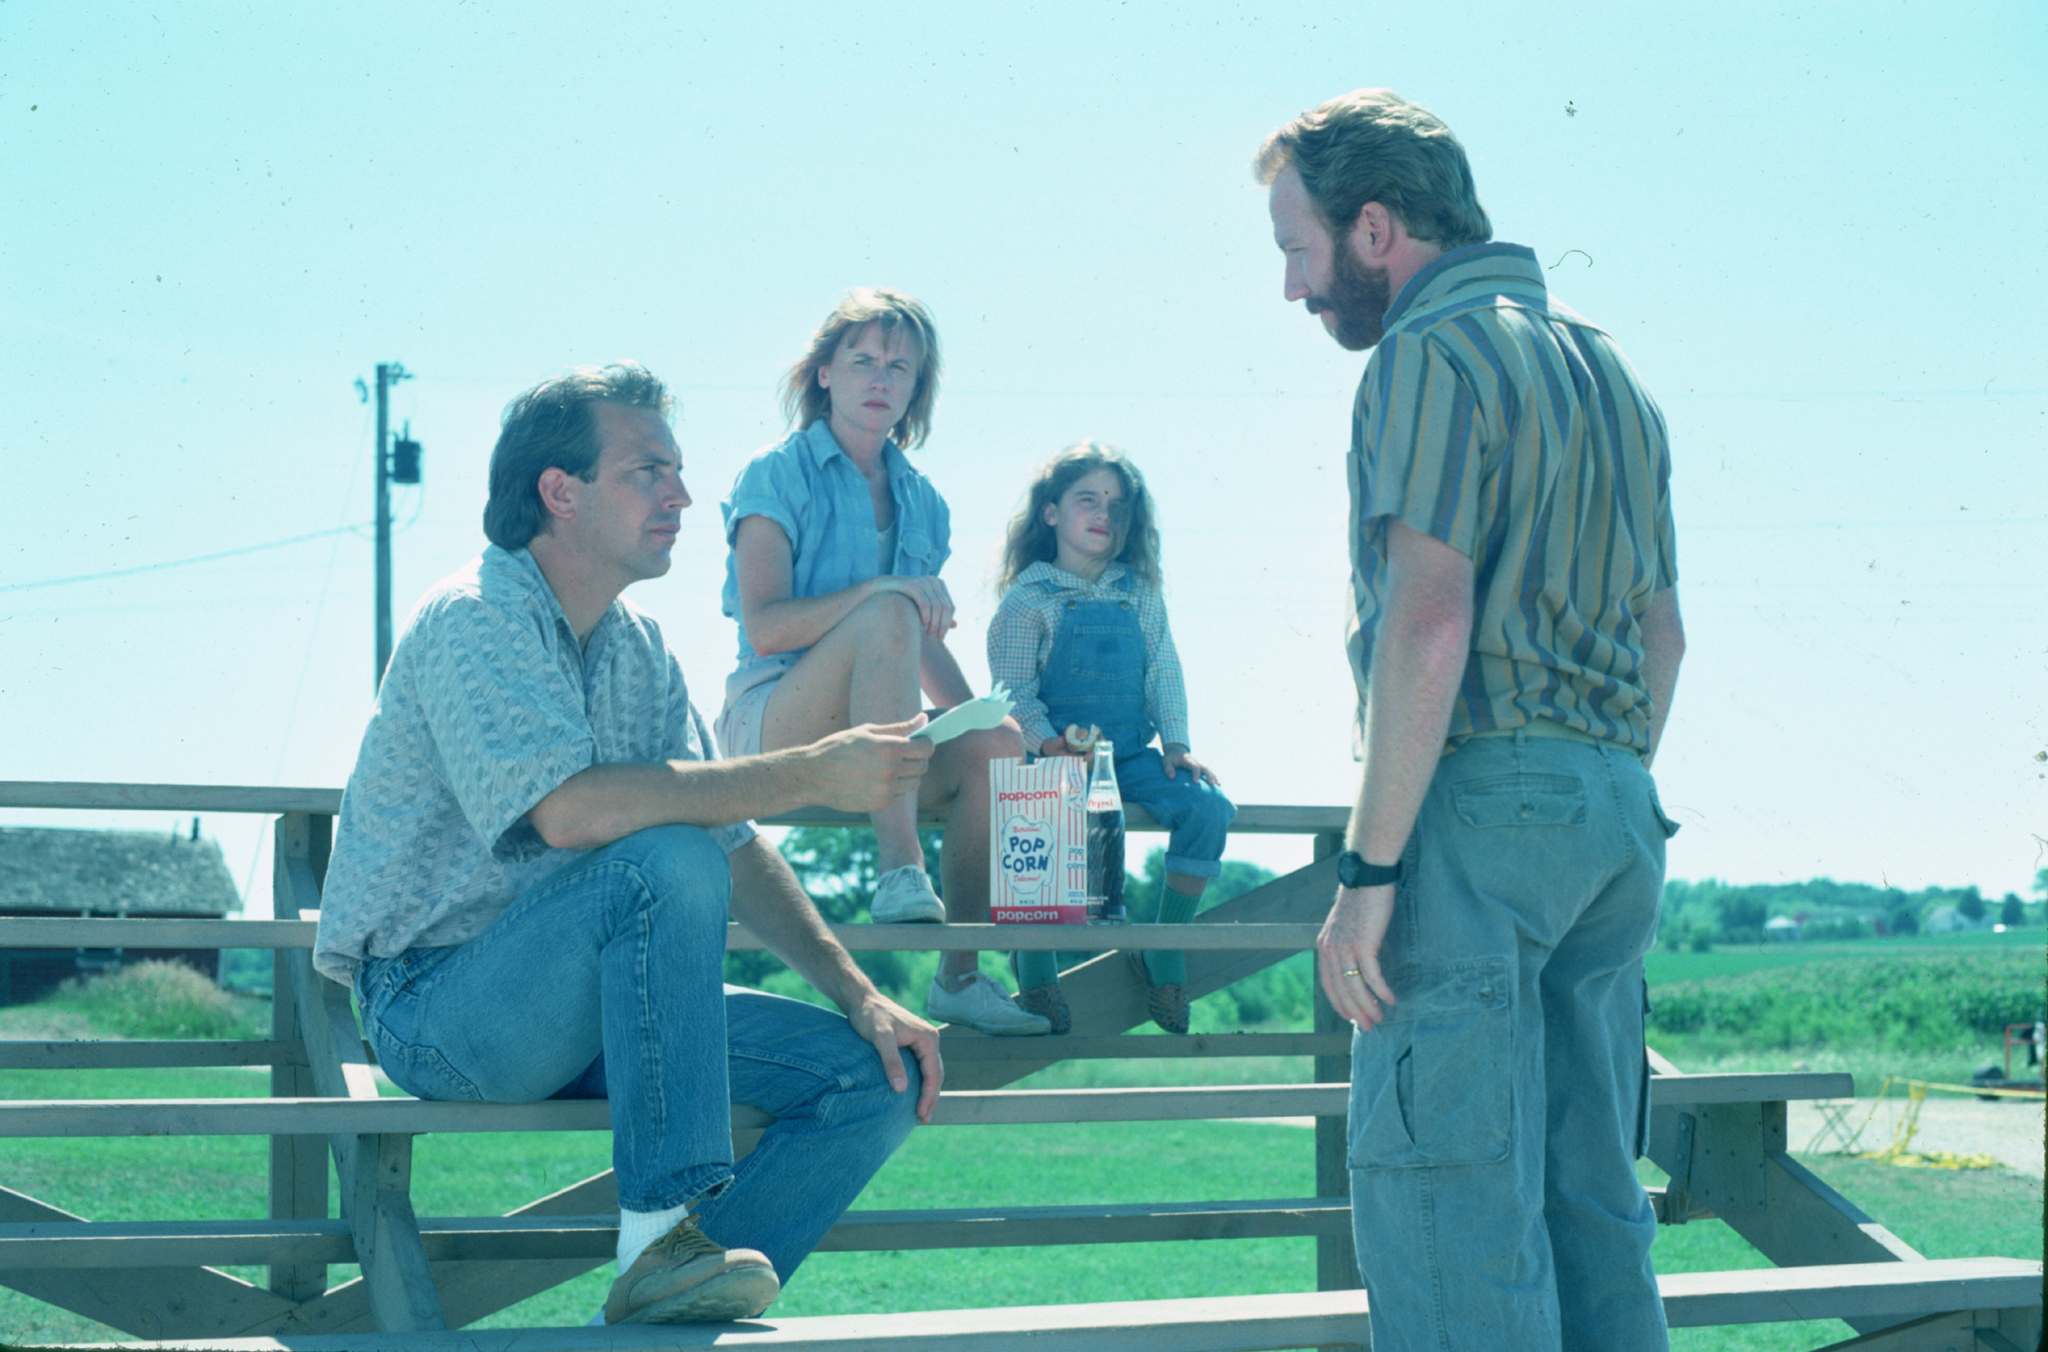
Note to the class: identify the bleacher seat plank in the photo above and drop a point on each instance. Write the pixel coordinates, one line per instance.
(73, 1244)
(1668, 1091)
(143, 1054)
(961, 1045)
(148, 932)
(410, 1116)
(1848, 1290)
(1252, 818)
(1219, 1323)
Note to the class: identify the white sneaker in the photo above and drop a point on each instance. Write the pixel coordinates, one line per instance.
(985, 1007)
(905, 897)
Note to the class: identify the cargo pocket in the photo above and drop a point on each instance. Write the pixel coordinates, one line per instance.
(1670, 826)
(1430, 1086)
(1521, 800)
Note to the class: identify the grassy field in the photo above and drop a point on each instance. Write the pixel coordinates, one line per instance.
(1941, 1213)
(1663, 966)
(1928, 1009)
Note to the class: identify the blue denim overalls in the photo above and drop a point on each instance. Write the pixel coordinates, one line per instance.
(1095, 674)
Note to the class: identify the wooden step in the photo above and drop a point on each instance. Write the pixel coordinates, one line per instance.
(1219, 1323)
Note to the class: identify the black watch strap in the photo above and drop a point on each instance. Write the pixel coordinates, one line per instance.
(1353, 871)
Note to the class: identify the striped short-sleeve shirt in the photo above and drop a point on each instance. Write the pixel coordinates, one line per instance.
(1496, 420)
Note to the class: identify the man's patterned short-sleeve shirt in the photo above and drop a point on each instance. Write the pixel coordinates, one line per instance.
(489, 704)
(1498, 421)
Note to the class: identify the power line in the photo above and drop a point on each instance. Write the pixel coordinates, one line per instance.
(177, 563)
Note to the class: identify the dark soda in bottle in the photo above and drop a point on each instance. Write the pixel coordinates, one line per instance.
(1105, 840)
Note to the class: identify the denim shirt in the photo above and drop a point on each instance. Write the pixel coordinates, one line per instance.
(808, 486)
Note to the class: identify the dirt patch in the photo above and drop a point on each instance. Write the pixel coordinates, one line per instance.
(2009, 1130)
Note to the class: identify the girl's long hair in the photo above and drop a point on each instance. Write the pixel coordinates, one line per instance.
(1030, 540)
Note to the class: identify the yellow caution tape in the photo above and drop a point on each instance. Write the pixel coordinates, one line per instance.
(1933, 1159)
(1986, 1089)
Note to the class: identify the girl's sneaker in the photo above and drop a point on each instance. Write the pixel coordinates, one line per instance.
(984, 1006)
(905, 897)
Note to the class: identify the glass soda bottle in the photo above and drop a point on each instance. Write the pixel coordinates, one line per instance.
(1105, 840)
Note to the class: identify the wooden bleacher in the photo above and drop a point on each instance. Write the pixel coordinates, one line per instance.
(1720, 1138)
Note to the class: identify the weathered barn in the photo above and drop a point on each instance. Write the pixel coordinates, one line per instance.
(59, 872)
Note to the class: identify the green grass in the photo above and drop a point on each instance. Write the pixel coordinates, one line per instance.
(1942, 1213)
(1925, 1009)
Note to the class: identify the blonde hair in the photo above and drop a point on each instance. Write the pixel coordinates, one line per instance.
(804, 400)
(1372, 145)
(1030, 540)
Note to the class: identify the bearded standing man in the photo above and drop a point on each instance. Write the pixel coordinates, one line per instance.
(1516, 643)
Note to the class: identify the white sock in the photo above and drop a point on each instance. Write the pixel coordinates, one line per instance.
(638, 1229)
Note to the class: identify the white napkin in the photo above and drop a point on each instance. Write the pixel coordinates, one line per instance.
(986, 712)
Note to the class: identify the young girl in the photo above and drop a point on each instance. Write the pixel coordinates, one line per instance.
(833, 576)
(1081, 640)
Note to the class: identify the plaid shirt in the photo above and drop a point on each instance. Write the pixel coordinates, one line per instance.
(1021, 635)
(489, 704)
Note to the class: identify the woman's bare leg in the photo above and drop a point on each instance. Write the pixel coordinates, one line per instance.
(865, 670)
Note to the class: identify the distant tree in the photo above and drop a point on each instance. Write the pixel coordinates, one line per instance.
(1742, 916)
(1141, 889)
(2012, 912)
(1971, 907)
(2041, 884)
(836, 866)
(1904, 920)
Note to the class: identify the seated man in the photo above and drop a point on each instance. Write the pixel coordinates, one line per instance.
(538, 850)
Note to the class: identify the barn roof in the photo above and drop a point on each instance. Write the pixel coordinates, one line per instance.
(57, 871)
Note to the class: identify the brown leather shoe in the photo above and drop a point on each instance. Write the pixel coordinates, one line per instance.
(1048, 1003)
(683, 1278)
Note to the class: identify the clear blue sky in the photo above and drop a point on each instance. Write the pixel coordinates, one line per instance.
(1817, 230)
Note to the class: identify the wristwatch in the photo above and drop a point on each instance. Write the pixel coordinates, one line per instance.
(1353, 871)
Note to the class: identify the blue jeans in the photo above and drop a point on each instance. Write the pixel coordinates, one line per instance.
(1496, 1116)
(604, 981)
(1194, 812)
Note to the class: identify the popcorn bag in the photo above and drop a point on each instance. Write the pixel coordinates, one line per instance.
(1038, 854)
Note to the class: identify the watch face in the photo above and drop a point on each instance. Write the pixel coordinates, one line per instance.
(1353, 871)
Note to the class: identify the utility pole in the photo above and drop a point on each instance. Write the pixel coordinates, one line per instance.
(388, 374)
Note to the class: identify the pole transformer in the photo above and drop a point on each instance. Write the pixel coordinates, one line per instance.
(388, 374)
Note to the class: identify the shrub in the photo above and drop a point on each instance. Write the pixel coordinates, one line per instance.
(1919, 1003)
(154, 999)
